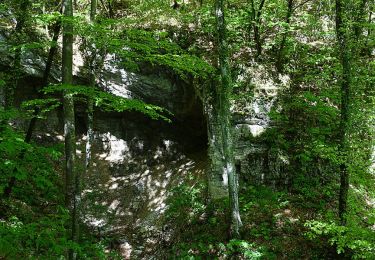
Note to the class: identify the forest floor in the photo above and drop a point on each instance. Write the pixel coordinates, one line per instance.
(273, 228)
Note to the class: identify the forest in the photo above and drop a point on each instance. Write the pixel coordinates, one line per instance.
(187, 129)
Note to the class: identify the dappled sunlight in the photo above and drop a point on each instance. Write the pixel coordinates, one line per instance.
(285, 217)
(131, 178)
(116, 148)
(116, 79)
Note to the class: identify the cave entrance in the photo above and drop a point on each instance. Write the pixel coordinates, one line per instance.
(139, 161)
(190, 128)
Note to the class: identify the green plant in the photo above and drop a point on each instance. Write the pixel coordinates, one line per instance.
(186, 202)
(355, 240)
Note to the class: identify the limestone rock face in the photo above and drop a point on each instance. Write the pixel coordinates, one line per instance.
(256, 162)
(136, 160)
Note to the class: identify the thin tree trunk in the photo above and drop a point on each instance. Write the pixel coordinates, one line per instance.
(369, 29)
(224, 118)
(90, 133)
(47, 71)
(72, 178)
(256, 15)
(360, 19)
(110, 9)
(344, 49)
(90, 102)
(280, 54)
(16, 70)
(8, 190)
(93, 7)
(11, 84)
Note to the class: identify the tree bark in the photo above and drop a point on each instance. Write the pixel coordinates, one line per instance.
(90, 102)
(217, 179)
(93, 7)
(47, 71)
(280, 54)
(11, 84)
(90, 133)
(360, 19)
(8, 190)
(72, 178)
(223, 92)
(256, 15)
(363, 48)
(16, 70)
(344, 49)
(110, 9)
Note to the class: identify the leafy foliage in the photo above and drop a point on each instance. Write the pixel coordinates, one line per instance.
(108, 101)
(358, 241)
(41, 105)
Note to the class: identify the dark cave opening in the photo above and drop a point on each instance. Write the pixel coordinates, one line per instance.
(187, 130)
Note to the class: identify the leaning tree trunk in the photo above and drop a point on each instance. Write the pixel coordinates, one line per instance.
(222, 110)
(12, 82)
(18, 39)
(344, 49)
(46, 74)
(9, 188)
(72, 178)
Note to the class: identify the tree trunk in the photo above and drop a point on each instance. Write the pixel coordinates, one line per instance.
(90, 102)
(72, 178)
(223, 92)
(16, 70)
(12, 83)
(217, 179)
(256, 15)
(110, 9)
(90, 133)
(280, 53)
(363, 47)
(360, 19)
(47, 71)
(93, 7)
(32, 123)
(344, 49)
